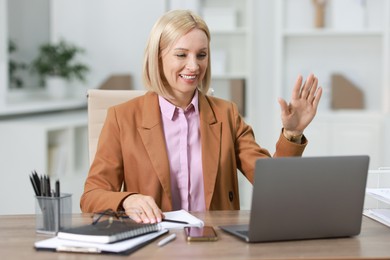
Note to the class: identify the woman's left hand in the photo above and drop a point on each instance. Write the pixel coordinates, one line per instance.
(298, 114)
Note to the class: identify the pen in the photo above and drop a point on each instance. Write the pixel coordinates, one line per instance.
(175, 221)
(43, 188)
(57, 191)
(48, 188)
(34, 186)
(166, 240)
(37, 182)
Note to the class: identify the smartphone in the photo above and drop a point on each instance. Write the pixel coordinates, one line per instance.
(206, 233)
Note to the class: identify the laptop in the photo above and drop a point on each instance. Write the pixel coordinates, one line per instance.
(296, 198)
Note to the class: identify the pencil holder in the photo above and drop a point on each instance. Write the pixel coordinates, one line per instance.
(53, 213)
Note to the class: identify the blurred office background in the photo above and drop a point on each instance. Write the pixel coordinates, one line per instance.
(258, 49)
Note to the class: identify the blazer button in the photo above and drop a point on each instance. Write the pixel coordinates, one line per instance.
(231, 196)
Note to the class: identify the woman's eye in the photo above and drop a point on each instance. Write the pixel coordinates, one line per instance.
(202, 55)
(181, 55)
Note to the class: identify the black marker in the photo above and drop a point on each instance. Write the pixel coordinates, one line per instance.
(58, 192)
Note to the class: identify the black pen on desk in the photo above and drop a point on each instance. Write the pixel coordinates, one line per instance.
(175, 221)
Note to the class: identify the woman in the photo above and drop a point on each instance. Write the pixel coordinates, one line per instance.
(175, 147)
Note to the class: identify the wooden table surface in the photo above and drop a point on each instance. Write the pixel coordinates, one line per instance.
(18, 236)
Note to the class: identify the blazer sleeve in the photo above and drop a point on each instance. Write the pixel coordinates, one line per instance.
(105, 177)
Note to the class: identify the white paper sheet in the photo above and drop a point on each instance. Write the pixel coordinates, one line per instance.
(381, 194)
(380, 215)
(181, 215)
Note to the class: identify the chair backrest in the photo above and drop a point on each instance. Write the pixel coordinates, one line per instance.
(99, 101)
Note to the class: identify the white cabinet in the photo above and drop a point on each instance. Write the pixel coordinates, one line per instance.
(357, 47)
(347, 134)
(53, 144)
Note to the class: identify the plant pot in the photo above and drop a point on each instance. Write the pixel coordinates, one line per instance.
(56, 87)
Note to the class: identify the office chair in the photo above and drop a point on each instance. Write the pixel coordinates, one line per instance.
(99, 100)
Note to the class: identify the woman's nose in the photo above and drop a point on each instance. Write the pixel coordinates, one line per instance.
(192, 64)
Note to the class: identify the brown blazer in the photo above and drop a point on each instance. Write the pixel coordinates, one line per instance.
(131, 150)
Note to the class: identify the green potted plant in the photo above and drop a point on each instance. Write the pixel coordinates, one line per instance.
(56, 63)
(15, 68)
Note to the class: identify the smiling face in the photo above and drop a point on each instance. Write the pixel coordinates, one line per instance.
(185, 64)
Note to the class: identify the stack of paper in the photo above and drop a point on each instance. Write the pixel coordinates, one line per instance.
(124, 247)
(380, 194)
(381, 215)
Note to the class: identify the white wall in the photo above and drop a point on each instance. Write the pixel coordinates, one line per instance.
(28, 27)
(263, 101)
(3, 53)
(114, 33)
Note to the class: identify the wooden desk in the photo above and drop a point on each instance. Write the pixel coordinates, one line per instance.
(18, 236)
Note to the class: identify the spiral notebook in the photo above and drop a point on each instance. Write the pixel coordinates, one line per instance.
(124, 247)
(107, 231)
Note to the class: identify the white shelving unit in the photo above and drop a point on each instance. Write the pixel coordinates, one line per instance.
(235, 44)
(230, 47)
(360, 53)
(230, 25)
(53, 144)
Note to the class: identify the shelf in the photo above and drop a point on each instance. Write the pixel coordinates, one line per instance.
(51, 121)
(229, 76)
(352, 114)
(331, 33)
(39, 104)
(237, 31)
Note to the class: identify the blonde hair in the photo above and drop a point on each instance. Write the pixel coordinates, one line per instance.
(165, 32)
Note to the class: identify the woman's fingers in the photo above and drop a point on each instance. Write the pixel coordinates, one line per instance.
(142, 208)
(313, 91)
(317, 97)
(297, 88)
(307, 86)
(135, 214)
(151, 213)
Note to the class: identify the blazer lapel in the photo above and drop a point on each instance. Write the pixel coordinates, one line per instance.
(210, 131)
(152, 136)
